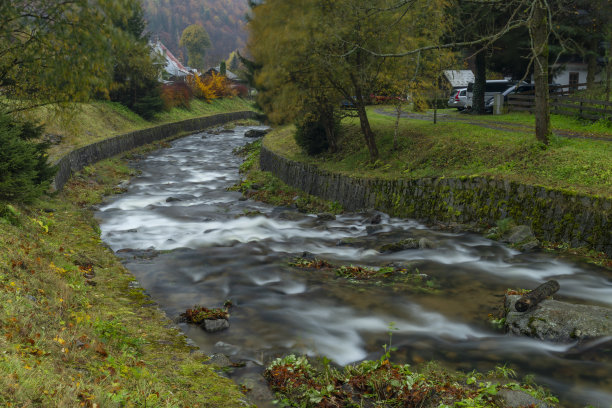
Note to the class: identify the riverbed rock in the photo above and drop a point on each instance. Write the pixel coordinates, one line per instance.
(292, 216)
(326, 217)
(517, 399)
(219, 360)
(522, 237)
(212, 326)
(426, 243)
(253, 133)
(404, 244)
(556, 321)
(374, 220)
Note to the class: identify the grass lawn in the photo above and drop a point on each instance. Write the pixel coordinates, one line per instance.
(518, 120)
(92, 122)
(453, 149)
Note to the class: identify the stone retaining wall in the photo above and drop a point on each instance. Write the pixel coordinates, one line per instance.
(86, 155)
(554, 215)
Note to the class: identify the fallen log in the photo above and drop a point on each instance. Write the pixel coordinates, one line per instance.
(537, 295)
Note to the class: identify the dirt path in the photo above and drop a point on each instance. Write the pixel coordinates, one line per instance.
(495, 125)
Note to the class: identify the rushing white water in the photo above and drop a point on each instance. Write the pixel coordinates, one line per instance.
(212, 251)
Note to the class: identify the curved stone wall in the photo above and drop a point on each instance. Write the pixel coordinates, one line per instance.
(86, 155)
(554, 215)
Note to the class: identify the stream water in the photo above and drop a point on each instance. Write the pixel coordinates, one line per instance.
(189, 241)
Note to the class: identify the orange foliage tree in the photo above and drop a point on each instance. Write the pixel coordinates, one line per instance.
(211, 86)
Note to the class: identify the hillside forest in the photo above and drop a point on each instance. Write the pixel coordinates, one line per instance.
(224, 21)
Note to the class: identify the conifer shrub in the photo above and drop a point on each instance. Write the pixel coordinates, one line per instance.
(310, 134)
(149, 104)
(24, 171)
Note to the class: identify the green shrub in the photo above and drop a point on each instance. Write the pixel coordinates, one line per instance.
(24, 171)
(310, 135)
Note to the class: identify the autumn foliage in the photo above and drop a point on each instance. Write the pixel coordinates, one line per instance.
(211, 86)
(176, 95)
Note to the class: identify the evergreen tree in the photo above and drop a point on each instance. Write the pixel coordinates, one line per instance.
(135, 77)
(24, 171)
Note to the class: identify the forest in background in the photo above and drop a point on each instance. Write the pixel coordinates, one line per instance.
(224, 20)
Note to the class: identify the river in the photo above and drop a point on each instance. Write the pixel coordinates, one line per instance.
(189, 241)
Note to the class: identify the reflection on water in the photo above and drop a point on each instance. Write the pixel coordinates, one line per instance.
(212, 252)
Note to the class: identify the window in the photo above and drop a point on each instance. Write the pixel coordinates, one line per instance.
(574, 80)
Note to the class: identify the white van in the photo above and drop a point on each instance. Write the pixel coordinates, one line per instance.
(492, 87)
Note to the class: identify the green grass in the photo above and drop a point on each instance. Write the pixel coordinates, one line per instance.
(519, 120)
(73, 331)
(91, 122)
(455, 149)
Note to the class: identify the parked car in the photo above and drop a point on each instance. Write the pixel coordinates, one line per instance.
(492, 87)
(519, 88)
(458, 98)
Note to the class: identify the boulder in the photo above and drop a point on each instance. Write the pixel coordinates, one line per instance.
(409, 243)
(425, 243)
(256, 133)
(215, 325)
(517, 399)
(522, 237)
(219, 360)
(292, 216)
(326, 217)
(557, 321)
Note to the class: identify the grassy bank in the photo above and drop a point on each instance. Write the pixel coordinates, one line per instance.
(92, 122)
(454, 149)
(74, 329)
(263, 186)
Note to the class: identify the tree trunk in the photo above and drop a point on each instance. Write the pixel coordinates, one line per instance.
(398, 114)
(591, 69)
(480, 83)
(363, 120)
(539, 31)
(367, 131)
(537, 295)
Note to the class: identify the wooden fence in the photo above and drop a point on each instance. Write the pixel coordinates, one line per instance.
(563, 101)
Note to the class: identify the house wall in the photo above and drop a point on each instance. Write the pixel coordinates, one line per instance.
(562, 77)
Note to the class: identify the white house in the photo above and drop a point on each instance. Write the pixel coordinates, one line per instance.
(459, 78)
(173, 66)
(572, 73)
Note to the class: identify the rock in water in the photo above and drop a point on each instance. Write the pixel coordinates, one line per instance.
(559, 321)
(256, 133)
(216, 325)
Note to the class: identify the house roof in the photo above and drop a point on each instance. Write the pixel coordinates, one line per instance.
(173, 65)
(228, 73)
(459, 78)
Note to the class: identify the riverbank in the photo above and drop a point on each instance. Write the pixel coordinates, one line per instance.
(451, 173)
(76, 329)
(92, 122)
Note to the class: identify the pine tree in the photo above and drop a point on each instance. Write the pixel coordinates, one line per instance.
(24, 171)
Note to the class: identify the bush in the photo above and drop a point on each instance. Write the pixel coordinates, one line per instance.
(176, 95)
(24, 171)
(149, 104)
(310, 135)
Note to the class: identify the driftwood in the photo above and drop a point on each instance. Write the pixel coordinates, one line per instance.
(537, 295)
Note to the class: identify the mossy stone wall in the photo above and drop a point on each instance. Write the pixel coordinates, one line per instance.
(86, 155)
(557, 216)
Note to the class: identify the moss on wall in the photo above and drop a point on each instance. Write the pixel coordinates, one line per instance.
(554, 215)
